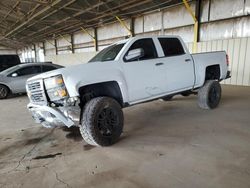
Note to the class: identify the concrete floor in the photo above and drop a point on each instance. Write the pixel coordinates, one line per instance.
(164, 144)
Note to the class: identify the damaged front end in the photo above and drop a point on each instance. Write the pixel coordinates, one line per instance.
(50, 103)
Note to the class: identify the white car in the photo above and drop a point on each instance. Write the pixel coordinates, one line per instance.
(126, 73)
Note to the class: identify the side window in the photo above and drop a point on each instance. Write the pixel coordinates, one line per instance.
(46, 68)
(29, 70)
(148, 47)
(171, 46)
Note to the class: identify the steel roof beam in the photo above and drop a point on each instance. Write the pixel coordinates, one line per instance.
(47, 15)
(31, 18)
(74, 15)
(103, 14)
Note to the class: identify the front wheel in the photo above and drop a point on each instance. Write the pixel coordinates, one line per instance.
(102, 121)
(4, 92)
(209, 95)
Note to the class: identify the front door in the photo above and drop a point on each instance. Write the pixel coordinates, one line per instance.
(145, 75)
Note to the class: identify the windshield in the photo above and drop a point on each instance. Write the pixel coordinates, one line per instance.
(108, 54)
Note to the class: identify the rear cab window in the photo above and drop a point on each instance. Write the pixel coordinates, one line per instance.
(171, 46)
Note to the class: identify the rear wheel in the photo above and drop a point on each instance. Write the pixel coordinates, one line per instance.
(209, 95)
(168, 98)
(102, 121)
(4, 92)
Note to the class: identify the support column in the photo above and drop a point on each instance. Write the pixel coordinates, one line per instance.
(195, 25)
(162, 23)
(72, 43)
(56, 47)
(198, 17)
(34, 46)
(95, 39)
(132, 26)
(44, 50)
(125, 26)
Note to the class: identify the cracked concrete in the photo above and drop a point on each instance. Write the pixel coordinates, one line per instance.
(30, 151)
(164, 144)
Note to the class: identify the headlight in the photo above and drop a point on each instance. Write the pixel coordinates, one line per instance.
(55, 88)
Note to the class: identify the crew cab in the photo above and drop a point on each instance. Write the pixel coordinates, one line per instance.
(132, 71)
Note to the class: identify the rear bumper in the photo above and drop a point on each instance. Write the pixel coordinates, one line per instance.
(52, 117)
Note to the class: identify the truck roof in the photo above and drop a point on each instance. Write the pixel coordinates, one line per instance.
(142, 37)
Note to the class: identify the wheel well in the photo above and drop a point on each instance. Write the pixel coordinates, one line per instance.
(213, 72)
(107, 89)
(6, 86)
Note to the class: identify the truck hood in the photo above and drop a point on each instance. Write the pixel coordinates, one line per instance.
(84, 74)
(84, 70)
(63, 71)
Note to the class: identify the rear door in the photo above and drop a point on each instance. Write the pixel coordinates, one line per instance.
(178, 65)
(23, 74)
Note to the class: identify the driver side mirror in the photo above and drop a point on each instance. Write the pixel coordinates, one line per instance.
(14, 74)
(134, 54)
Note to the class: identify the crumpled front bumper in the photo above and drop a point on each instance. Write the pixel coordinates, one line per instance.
(53, 117)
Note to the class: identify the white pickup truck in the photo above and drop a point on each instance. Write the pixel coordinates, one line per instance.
(126, 73)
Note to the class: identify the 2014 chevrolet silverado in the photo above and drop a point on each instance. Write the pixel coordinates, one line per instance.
(126, 73)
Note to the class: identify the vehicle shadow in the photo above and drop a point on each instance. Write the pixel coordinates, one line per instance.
(73, 133)
(11, 96)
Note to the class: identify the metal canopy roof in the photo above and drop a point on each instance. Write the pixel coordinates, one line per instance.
(23, 22)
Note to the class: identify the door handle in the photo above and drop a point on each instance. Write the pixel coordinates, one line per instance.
(159, 64)
(187, 60)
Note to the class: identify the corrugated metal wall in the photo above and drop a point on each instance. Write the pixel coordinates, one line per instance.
(5, 50)
(239, 56)
(224, 26)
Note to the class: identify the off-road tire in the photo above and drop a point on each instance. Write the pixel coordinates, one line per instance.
(90, 127)
(209, 95)
(4, 92)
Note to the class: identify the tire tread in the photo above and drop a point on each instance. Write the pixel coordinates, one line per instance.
(88, 115)
(203, 94)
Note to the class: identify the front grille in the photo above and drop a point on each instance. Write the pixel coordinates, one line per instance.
(37, 97)
(34, 86)
(36, 92)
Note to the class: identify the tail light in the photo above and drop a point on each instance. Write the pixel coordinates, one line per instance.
(227, 60)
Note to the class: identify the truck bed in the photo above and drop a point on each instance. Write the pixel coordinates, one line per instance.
(202, 60)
